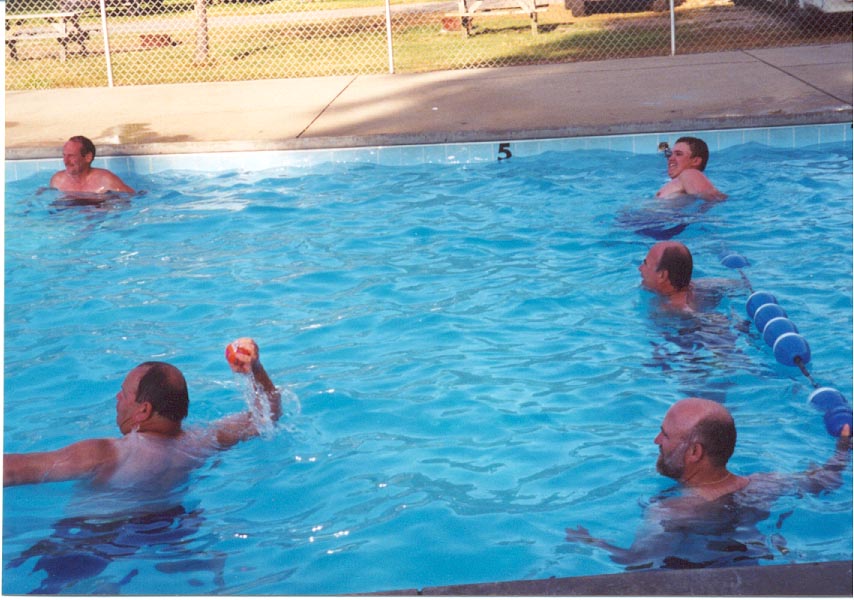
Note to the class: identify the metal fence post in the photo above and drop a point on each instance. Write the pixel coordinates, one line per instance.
(201, 32)
(672, 28)
(388, 37)
(106, 37)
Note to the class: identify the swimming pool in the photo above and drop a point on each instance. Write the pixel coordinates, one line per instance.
(474, 365)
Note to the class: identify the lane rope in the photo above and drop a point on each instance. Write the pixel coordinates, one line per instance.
(790, 348)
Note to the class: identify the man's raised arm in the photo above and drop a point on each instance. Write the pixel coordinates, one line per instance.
(243, 357)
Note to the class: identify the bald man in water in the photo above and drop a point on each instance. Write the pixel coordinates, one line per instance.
(154, 450)
(713, 505)
(667, 270)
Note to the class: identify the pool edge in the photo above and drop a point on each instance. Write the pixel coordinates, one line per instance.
(148, 160)
(832, 116)
(826, 579)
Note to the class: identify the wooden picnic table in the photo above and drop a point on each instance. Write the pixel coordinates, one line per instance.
(64, 27)
(468, 9)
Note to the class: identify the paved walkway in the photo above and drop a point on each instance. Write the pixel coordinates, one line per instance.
(765, 87)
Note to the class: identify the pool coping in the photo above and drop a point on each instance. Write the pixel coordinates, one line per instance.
(149, 164)
(825, 579)
(824, 117)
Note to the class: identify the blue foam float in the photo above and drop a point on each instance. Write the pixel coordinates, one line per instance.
(792, 348)
(734, 261)
(777, 327)
(765, 313)
(825, 398)
(836, 418)
(757, 299)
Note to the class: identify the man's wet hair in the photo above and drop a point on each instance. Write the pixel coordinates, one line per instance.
(163, 385)
(717, 436)
(679, 263)
(87, 147)
(698, 148)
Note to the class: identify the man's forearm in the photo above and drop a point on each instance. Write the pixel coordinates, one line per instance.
(829, 476)
(262, 380)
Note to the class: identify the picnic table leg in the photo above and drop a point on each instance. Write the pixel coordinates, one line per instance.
(13, 50)
(82, 43)
(79, 36)
(465, 22)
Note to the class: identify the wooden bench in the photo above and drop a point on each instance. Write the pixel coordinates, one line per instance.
(468, 9)
(64, 27)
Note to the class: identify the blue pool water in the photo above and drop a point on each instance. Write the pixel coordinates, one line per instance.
(470, 362)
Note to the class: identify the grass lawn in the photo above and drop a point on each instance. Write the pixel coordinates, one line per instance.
(293, 38)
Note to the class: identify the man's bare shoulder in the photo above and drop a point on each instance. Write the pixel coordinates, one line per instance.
(104, 180)
(98, 171)
(695, 182)
(58, 179)
(93, 455)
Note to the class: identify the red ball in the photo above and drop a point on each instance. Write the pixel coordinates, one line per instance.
(231, 352)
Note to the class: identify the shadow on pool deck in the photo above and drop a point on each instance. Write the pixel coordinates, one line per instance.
(737, 89)
(805, 580)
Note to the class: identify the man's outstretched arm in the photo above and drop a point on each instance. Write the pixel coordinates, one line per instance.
(828, 476)
(243, 357)
(621, 556)
(77, 461)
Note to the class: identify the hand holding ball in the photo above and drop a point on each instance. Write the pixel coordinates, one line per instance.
(241, 354)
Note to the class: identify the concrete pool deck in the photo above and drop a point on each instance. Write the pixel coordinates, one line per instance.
(735, 89)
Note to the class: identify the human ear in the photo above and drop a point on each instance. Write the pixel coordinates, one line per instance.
(145, 409)
(695, 452)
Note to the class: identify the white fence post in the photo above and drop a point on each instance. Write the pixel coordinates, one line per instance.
(106, 44)
(201, 32)
(388, 37)
(672, 29)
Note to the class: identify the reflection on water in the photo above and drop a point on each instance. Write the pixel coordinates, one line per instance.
(699, 348)
(681, 531)
(81, 548)
(664, 219)
(94, 201)
(722, 533)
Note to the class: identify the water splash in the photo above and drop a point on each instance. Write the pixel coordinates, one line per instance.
(259, 408)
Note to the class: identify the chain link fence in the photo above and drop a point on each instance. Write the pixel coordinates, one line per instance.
(85, 43)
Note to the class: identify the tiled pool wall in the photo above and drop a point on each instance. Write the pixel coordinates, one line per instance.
(457, 153)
